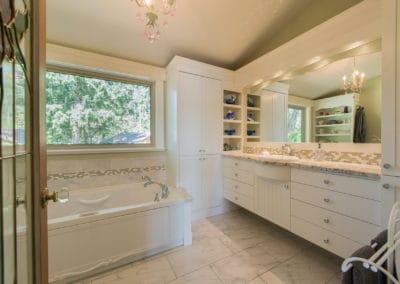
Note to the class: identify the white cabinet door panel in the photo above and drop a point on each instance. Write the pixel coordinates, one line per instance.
(213, 114)
(213, 182)
(190, 123)
(191, 180)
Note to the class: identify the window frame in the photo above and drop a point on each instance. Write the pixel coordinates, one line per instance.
(107, 148)
(303, 121)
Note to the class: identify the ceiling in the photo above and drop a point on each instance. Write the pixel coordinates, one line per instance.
(217, 32)
(328, 79)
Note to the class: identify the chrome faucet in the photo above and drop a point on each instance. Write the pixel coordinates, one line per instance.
(287, 149)
(164, 188)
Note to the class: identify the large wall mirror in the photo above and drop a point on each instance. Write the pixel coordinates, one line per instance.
(334, 100)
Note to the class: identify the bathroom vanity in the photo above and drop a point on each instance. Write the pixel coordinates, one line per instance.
(339, 210)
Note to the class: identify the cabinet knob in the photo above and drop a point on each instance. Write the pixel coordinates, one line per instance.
(326, 181)
(326, 220)
(236, 174)
(236, 186)
(326, 199)
(236, 164)
(326, 241)
(386, 186)
(236, 198)
(386, 166)
(286, 186)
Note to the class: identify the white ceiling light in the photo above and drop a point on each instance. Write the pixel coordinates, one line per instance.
(152, 12)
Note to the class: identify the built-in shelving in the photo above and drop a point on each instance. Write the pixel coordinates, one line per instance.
(334, 118)
(253, 109)
(234, 141)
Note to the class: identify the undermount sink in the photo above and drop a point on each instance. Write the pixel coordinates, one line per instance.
(282, 158)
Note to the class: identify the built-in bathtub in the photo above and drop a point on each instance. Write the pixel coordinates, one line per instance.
(102, 228)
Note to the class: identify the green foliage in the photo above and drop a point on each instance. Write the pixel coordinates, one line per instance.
(295, 127)
(84, 110)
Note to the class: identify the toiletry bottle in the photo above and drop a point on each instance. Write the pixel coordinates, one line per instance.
(319, 154)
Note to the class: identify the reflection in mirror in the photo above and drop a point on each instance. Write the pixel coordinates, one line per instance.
(335, 102)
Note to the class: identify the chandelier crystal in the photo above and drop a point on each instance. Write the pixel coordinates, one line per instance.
(154, 11)
(355, 82)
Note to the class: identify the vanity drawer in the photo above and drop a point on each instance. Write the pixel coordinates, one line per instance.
(354, 186)
(349, 205)
(239, 199)
(239, 175)
(238, 164)
(239, 187)
(330, 241)
(356, 230)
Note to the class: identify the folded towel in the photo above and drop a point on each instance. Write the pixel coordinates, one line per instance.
(380, 240)
(358, 274)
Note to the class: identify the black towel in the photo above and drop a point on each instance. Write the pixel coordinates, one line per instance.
(358, 274)
(360, 127)
(380, 240)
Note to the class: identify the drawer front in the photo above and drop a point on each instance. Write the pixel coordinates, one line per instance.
(356, 230)
(239, 187)
(238, 164)
(355, 186)
(352, 206)
(239, 175)
(239, 199)
(330, 241)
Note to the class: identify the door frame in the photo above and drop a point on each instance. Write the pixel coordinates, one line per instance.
(39, 155)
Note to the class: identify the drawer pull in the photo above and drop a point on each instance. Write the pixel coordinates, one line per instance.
(236, 164)
(286, 186)
(327, 200)
(236, 198)
(386, 186)
(326, 241)
(326, 220)
(236, 174)
(327, 181)
(386, 166)
(236, 186)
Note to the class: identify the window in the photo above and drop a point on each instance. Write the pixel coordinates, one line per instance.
(296, 124)
(94, 109)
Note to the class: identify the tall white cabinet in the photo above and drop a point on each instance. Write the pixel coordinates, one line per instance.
(195, 136)
(390, 106)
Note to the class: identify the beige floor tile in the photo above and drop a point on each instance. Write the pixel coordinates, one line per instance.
(312, 266)
(245, 266)
(204, 275)
(154, 271)
(198, 255)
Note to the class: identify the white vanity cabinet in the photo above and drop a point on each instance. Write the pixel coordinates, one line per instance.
(338, 213)
(273, 193)
(239, 182)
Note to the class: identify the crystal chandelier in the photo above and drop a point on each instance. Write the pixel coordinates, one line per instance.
(154, 10)
(355, 82)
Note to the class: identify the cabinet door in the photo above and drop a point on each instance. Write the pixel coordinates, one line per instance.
(191, 178)
(273, 201)
(190, 113)
(213, 182)
(391, 89)
(212, 116)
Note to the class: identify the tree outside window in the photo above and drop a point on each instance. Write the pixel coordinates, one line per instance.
(296, 124)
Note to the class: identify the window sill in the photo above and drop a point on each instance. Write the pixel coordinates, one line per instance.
(77, 151)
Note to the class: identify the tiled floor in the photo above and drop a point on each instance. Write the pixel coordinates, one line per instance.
(236, 247)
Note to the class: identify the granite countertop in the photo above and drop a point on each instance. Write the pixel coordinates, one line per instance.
(350, 169)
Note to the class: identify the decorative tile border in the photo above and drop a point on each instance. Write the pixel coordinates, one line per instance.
(333, 156)
(101, 173)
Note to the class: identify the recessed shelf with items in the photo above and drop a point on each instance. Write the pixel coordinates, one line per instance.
(253, 117)
(232, 120)
(334, 118)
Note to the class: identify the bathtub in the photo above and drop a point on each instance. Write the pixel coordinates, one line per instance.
(103, 228)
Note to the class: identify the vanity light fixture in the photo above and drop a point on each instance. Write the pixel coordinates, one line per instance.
(152, 11)
(355, 82)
